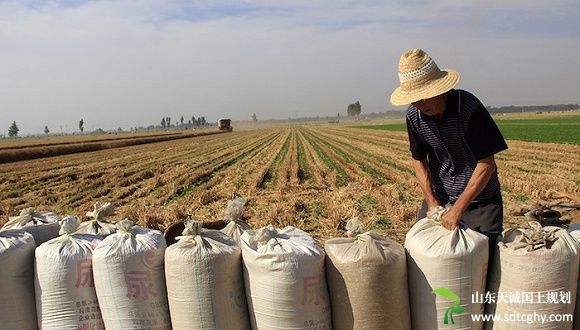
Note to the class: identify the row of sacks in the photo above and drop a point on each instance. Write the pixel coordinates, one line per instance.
(278, 279)
(47, 277)
(437, 281)
(44, 226)
(534, 274)
(47, 270)
(261, 279)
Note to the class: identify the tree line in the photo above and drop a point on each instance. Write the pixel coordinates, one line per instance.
(353, 110)
(14, 129)
(193, 122)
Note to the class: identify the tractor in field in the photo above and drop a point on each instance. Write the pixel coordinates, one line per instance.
(224, 124)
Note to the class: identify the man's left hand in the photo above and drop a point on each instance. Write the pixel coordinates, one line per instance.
(451, 218)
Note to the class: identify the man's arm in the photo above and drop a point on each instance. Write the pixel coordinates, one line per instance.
(479, 179)
(424, 178)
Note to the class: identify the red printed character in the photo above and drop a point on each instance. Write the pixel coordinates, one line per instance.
(150, 260)
(311, 288)
(84, 273)
(139, 284)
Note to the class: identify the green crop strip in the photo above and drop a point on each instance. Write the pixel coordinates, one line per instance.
(241, 177)
(377, 175)
(388, 127)
(303, 168)
(271, 174)
(562, 129)
(342, 178)
(373, 156)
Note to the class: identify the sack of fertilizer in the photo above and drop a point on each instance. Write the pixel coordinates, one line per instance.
(129, 278)
(63, 280)
(445, 267)
(42, 225)
(233, 216)
(574, 231)
(205, 285)
(284, 280)
(17, 307)
(98, 224)
(367, 281)
(541, 264)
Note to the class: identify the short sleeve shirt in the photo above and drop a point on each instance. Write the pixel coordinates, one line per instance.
(453, 144)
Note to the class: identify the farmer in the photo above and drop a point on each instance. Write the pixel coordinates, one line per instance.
(453, 140)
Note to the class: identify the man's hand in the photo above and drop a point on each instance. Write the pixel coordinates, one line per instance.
(450, 219)
(479, 179)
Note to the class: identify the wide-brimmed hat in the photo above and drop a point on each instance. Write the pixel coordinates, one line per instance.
(420, 78)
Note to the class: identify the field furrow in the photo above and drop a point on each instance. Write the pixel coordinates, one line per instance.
(342, 177)
(318, 170)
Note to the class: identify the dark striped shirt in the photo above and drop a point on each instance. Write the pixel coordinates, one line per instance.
(452, 145)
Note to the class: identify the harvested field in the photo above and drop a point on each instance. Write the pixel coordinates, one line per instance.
(78, 138)
(13, 152)
(312, 177)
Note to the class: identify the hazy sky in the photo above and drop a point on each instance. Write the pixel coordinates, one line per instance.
(125, 63)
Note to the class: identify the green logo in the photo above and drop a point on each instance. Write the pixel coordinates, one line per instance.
(454, 309)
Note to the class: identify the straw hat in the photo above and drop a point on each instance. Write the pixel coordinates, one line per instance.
(421, 78)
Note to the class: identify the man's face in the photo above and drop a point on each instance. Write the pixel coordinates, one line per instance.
(433, 107)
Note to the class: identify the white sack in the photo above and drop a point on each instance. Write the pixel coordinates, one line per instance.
(98, 225)
(129, 278)
(63, 279)
(205, 285)
(42, 225)
(284, 280)
(233, 215)
(17, 307)
(538, 262)
(439, 261)
(367, 281)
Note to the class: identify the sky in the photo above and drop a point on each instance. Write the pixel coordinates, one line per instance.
(130, 63)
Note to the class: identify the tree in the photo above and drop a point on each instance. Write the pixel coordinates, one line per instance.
(181, 120)
(254, 118)
(46, 131)
(81, 125)
(163, 122)
(202, 121)
(354, 109)
(193, 120)
(168, 121)
(13, 130)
